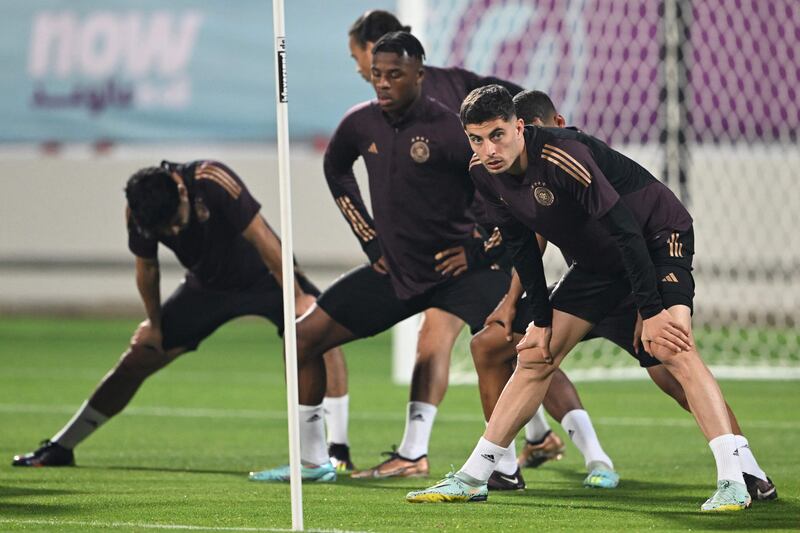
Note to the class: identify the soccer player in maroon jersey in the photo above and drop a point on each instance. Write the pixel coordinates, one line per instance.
(205, 214)
(625, 231)
(417, 163)
(494, 350)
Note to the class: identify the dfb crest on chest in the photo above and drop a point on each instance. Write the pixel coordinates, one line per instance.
(542, 194)
(420, 151)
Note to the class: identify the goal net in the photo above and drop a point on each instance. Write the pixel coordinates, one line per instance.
(705, 96)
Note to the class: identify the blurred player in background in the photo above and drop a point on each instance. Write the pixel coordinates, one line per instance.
(417, 160)
(439, 329)
(494, 350)
(204, 213)
(624, 229)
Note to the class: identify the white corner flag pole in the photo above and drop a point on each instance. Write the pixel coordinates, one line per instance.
(289, 331)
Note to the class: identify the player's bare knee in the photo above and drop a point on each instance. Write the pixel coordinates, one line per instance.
(531, 362)
(487, 347)
(678, 364)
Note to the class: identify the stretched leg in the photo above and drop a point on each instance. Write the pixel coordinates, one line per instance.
(110, 397)
(759, 485)
(709, 409)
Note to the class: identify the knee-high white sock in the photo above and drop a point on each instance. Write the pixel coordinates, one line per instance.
(337, 412)
(537, 427)
(83, 424)
(419, 424)
(726, 457)
(747, 459)
(313, 450)
(484, 459)
(579, 427)
(508, 463)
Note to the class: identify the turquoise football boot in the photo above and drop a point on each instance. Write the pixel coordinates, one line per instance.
(451, 489)
(324, 473)
(601, 477)
(730, 496)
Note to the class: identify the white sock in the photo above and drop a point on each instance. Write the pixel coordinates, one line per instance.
(726, 457)
(83, 424)
(337, 418)
(313, 450)
(580, 430)
(419, 424)
(537, 428)
(508, 463)
(484, 459)
(747, 459)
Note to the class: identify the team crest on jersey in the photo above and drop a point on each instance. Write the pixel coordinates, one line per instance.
(420, 152)
(543, 195)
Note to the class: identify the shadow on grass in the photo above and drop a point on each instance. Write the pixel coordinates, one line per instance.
(27, 510)
(17, 491)
(170, 470)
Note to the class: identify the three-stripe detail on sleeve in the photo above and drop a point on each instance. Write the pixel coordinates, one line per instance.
(567, 163)
(675, 247)
(357, 222)
(208, 171)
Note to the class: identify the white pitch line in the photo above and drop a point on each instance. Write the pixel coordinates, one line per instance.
(140, 525)
(254, 414)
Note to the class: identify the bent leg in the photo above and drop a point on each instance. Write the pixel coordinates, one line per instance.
(524, 392)
(494, 359)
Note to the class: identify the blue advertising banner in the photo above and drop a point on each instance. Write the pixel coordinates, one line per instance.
(183, 70)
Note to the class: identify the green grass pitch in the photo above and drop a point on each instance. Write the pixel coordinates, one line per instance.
(178, 457)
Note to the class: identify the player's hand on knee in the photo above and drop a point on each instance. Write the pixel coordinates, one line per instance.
(536, 337)
(148, 335)
(302, 303)
(664, 330)
(503, 315)
(452, 261)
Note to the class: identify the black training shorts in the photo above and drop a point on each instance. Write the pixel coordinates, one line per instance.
(364, 302)
(192, 312)
(617, 327)
(606, 301)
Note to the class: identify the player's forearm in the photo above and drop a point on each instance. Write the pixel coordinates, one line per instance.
(636, 258)
(148, 282)
(527, 259)
(259, 234)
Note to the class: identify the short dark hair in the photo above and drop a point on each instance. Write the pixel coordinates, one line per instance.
(400, 43)
(531, 105)
(152, 198)
(487, 103)
(373, 25)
